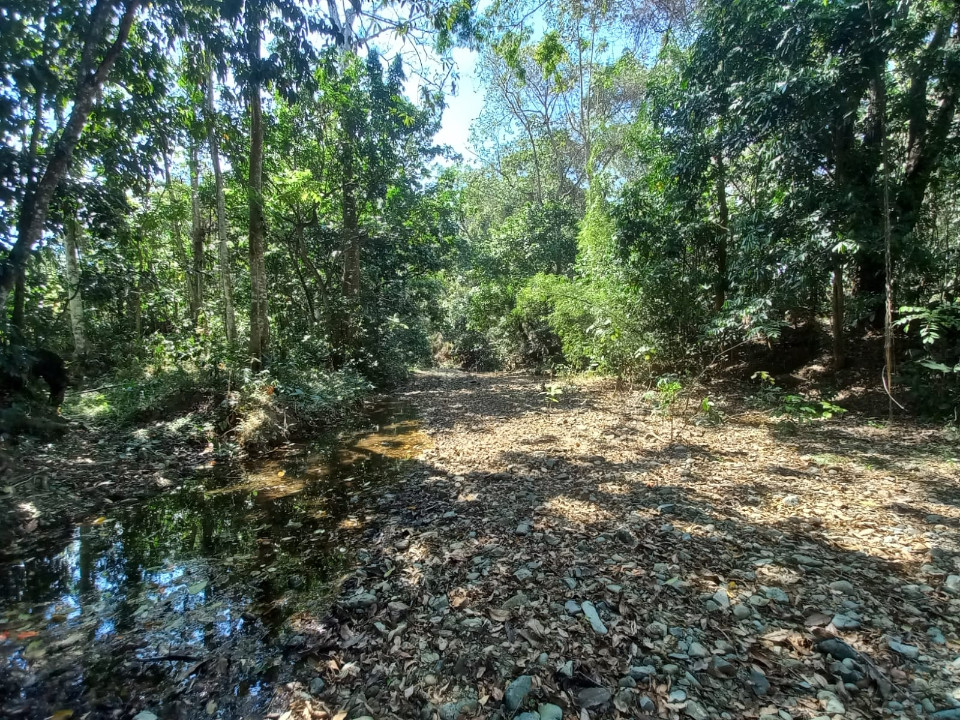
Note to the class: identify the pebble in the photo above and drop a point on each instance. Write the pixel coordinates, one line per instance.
(646, 704)
(721, 598)
(677, 696)
(317, 685)
(591, 614)
(695, 710)
(362, 600)
(741, 612)
(807, 560)
(517, 692)
(549, 711)
(721, 668)
(522, 529)
(845, 622)
(759, 683)
(911, 652)
(570, 582)
(791, 500)
(627, 682)
(842, 586)
(952, 584)
(831, 703)
(656, 629)
(522, 574)
(671, 669)
(696, 650)
(592, 697)
(775, 593)
(518, 600)
(572, 607)
(627, 538)
(641, 672)
(528, 716)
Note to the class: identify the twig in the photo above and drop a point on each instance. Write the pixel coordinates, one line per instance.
(170, 658)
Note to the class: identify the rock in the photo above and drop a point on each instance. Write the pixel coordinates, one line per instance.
(695, 710)
(807, 560)
(950, 714)
(677, 696)
(572, 607)
(522, 529)
(566, 669)
(911, 652)
(646, 704)
(831, 703)
(523, 573)
(518, 600)
(517, 692)
(936, 636)
(656, 629)
(845, 622)
(696, 650)
(528, 716)
(721, 598)
(671, 669)
(450, 711)
(627, 682)
(549, 711)
(397, 607)
(591, 614)
(775, 593)
(838, 649)
(952, 584)
(317, 685)
(842, 586)
(741, 612)
(615, 589)
(641, 672)
(721, 668)
(627, 538)
(791, 500)
(758, 682)
(361, 600)
(593, 697)
(570, 582)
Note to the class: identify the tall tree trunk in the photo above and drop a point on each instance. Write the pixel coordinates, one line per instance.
(71, 238)
(196, 238)
(351, 240)
(223, 245)
(259, 323)
(722, 237)
(179, 251)
(19, 298)
(839, 346)
(36, 205)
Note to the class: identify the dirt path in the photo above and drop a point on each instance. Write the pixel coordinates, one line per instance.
(566, 559)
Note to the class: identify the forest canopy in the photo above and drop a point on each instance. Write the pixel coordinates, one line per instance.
(211, 193)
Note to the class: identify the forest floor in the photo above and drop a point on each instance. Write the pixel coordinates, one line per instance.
(568, 559)
(538, 559)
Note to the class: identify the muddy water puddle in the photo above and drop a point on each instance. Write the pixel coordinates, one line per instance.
(178, 606)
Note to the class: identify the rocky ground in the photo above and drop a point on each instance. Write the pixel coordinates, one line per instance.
(566, 559)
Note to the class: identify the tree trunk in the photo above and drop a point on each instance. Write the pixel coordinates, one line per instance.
(839, 347)
(36, 205)
(259, 327)
(223, 245)
(723, 233)
(196, 239)
(19, 298)
(71, 238)
(351, 242)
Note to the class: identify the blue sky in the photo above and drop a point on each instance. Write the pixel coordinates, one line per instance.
(464, 107)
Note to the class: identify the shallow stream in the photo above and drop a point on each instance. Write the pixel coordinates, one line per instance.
(179, 605)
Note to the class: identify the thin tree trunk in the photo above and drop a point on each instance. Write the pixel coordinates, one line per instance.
(723, 233)
(223, 244)
(179, 251)
(71, 238)
(19, 298)
(36, 205)
(196, 238)
(259, 323)
(839, 347)
(351, 241)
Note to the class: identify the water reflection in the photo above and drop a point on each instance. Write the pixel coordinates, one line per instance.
(210, 570)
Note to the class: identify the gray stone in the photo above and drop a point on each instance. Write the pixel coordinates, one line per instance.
(646, 704)
(949, 714)
(627, 538)
(807, 560)
(522, 529)
(696, 650)
(549, 711)
(591, 614)
(845, 622)
(831, 703)
(758, 682)
(677, 696)
(517, 692)
(671, 669)
(627, 682)
(361, 600)
(952, 584)
(775, 594)
(721, 668)
(572, 607)
(570, 582)
(528, 716)
(567, 669)
(523, 573)
(656, 629)
(791, 500)
(695, 710)
(741, 612)
(842, 586)
(593, 697)
(911, 652)
(642, 672)
(518, 600)
(721, 598)
(936, 636)
(317, 685)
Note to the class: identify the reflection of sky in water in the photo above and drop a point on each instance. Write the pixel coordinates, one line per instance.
(235, 544)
